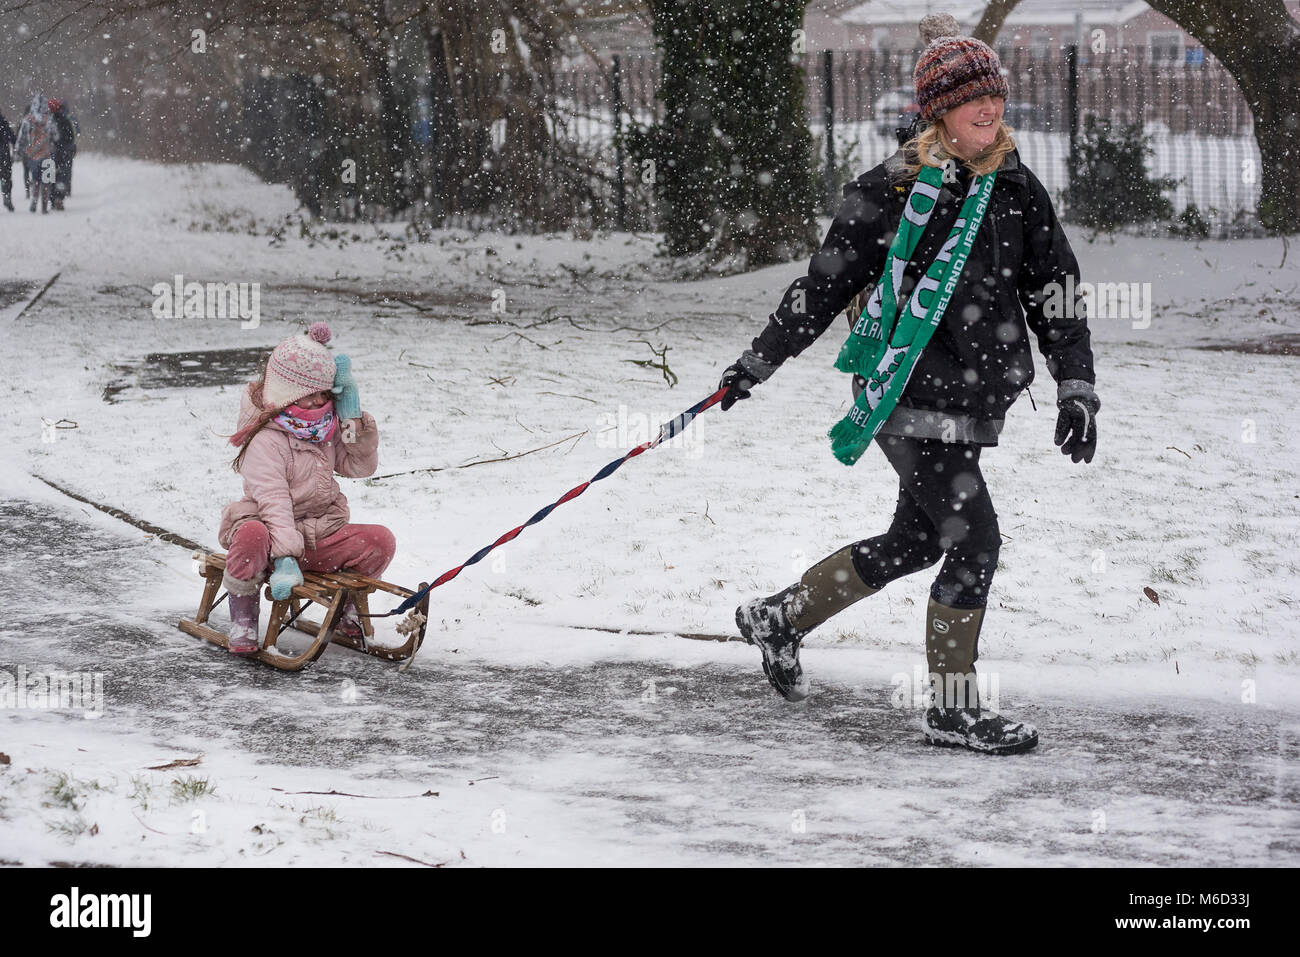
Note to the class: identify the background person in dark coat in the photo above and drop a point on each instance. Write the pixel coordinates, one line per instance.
(973, 368)
(65, 148)
(6, 163)
(35, 143)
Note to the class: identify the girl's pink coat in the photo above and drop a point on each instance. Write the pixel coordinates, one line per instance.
(289, 483)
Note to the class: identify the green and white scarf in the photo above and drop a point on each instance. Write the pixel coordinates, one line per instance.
(882, 348)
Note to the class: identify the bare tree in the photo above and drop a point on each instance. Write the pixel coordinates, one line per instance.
(499, 57)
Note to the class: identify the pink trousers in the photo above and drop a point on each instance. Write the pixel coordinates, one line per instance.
(364, 549)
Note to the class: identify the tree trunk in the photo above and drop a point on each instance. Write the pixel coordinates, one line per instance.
(995, 14)
(733, 154)
(394, 126)
(444, 133)
(464, 48)
(1259, 44)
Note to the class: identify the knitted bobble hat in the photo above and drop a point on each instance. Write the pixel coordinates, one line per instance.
(298, 367)
(954, 69)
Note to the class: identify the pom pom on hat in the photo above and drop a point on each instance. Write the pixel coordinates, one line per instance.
(938, 25)
(319, 331)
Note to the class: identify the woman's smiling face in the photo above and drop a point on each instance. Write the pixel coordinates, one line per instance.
(973, 127)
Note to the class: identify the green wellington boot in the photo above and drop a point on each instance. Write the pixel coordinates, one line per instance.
(777, 624)
(956, 720)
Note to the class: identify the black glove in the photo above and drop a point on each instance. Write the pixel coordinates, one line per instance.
(737, 381)
(742, 375)
(1076, 423)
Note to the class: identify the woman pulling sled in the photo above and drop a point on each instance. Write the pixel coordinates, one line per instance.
(964, 249)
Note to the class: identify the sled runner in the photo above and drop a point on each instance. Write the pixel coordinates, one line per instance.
(331, 591)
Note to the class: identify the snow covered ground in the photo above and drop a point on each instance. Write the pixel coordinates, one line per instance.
(1170, 731)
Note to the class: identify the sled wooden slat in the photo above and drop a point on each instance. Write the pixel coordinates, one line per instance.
(329, 590)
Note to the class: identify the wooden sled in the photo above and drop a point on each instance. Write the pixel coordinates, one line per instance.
(331, 591)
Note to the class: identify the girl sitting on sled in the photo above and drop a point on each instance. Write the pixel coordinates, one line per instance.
(298, 426)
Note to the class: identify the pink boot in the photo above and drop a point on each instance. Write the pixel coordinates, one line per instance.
(349, 623)
(243, 635)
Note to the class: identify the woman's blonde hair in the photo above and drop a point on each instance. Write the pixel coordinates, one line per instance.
(927, 148)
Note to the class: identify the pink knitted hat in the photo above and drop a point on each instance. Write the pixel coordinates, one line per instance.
(954, 69)
(298, 367)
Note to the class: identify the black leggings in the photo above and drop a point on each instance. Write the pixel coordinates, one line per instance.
(943, 509)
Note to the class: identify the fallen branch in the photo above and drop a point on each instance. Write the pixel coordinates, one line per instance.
(505, 458)
(37, 298)
(662, 365)
(565, 395)
(178, 763)
(413, 860)
(574, 323)
(692, 635)
(156, 530)
(369, 797)
(154, 829)
(524, 337)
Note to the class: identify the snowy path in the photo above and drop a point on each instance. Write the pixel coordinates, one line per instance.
(1173, 729)
(711, 769)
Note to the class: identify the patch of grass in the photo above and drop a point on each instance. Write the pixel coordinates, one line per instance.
(321, 819)
(634, 607)
(66, 791)
(1238, 532)
(70, 827)
(189, 787)
(1162, 574)
(141, 792)
(319, 815)
(1259, 559)
(524, 597)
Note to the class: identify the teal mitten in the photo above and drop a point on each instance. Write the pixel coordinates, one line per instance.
(347, 403)
(285, 577)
